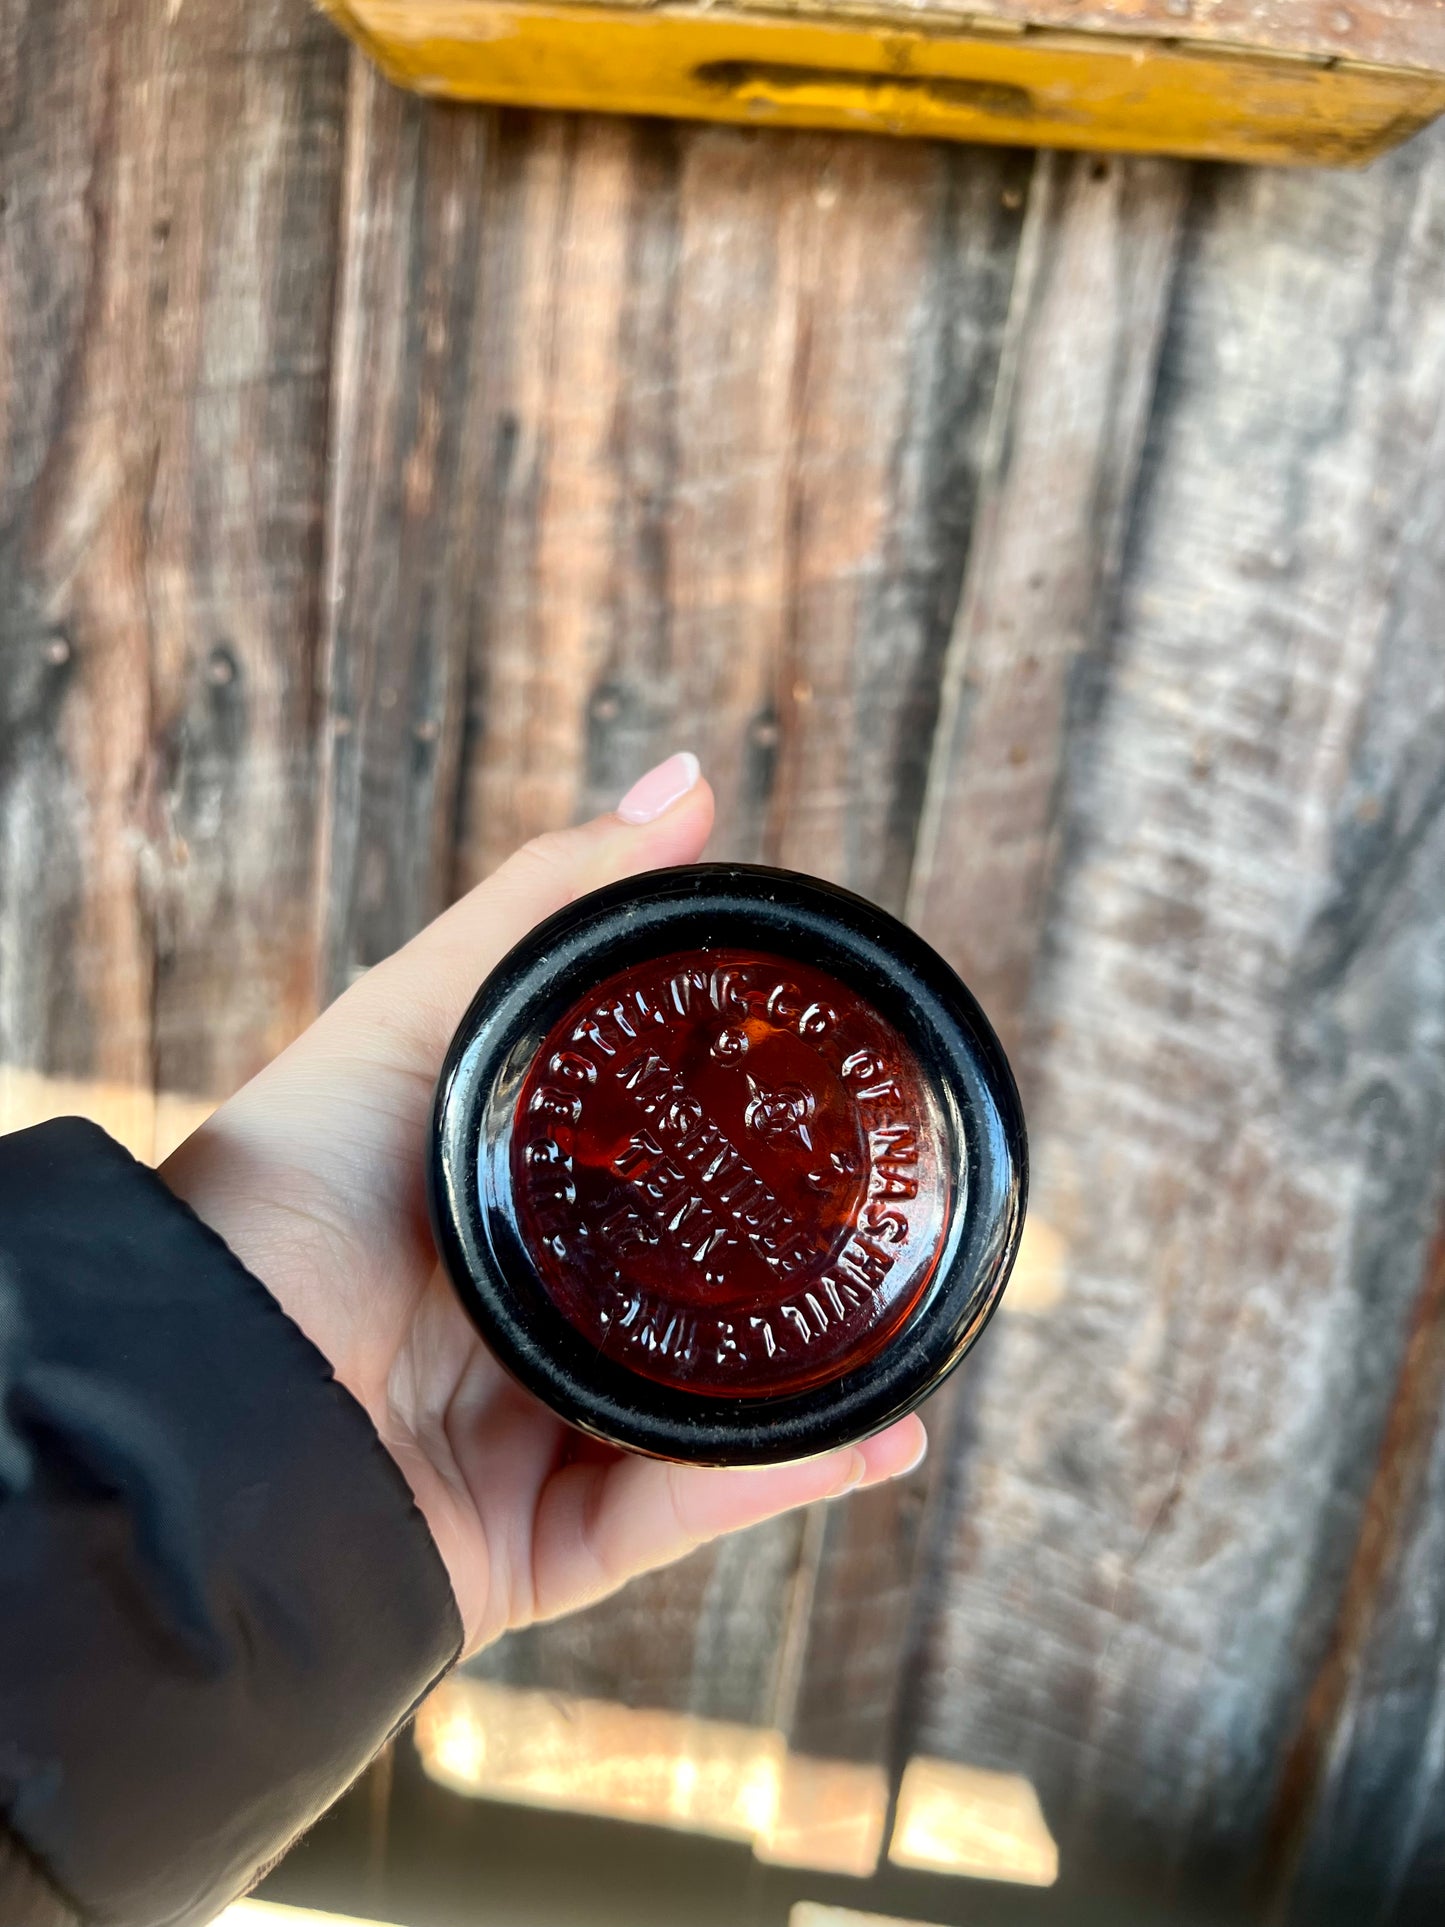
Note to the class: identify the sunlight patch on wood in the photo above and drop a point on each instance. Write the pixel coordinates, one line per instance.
(150, 1124)
(963, 1820)
(595, 1756)
(664, 1769)
(812, 1913)
(829, 1815)
(1037, 1281)
(262, 1913)
(729, 1781)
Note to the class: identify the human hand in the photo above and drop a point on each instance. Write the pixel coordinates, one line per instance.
(313, 1173)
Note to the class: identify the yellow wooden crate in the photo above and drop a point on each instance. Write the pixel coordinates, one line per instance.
(1261, 80)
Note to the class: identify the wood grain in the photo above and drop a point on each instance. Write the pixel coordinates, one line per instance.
(243, 122)
(1237, 1115)
(1059, 463)
(75, 942)
(407, 514)
(742, 385)
(1070, 411)
(897, 354)
(1403, 33)
(1357, 1817)
(1361, 1786)
(381, 482)
(712, 349)
(166, 322)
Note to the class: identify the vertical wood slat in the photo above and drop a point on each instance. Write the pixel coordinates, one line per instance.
(174, 212)
(1238, 1113)
(1357, 1827)
(1090, 307)
(1078, 361)
(408, 489)
(75, 947)
(904, 263)
(769, 500)
(245, 225)
(604, 326)
(709, 344)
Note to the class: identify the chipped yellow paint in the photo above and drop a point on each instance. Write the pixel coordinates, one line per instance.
(897, 71)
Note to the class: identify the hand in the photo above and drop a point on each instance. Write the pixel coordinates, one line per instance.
(314, 1175)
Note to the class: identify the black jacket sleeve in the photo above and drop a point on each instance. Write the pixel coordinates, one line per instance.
(217, 1598)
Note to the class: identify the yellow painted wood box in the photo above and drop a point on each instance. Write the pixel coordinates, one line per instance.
(1322, 81)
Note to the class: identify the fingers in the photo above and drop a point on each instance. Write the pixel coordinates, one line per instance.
(598, 1526)
(421, 993)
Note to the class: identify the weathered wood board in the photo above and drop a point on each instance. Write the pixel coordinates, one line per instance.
(1234, 1052)
(172, 188)
(1049, 549)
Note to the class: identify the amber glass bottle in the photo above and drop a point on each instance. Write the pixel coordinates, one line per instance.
(727, 1165)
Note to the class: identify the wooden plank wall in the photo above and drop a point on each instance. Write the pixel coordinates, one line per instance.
(1050, 549)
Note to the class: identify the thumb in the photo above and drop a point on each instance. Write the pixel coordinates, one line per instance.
(423, 990)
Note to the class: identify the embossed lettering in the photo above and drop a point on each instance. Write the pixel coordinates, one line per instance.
(798, 1320)
(572, 1067)
(708, 1244)
(545, 1150)
(726, 1161)
(770, 1343)
(680, 1119)
(888, 1183)
(682, 987)
(639, 1151)
(646, 1074)
(895, 1141)
(862, 1065)
(588, 1030)
(726, 1349)
(625, 1227)
(547, 1101)
(864, 1262)
(885, 1088)
(894, 1147)
(890, 1226)
(666, 1128)
(783, 1005)
(792, 1255)
(670, 1339)
(661, 1181)
(843, 1295)
(690, 1205)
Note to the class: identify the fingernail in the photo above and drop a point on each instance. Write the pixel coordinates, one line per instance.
(857, 1472)
(918, 1457)
(660, 788)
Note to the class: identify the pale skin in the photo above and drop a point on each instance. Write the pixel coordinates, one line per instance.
(313, 1174)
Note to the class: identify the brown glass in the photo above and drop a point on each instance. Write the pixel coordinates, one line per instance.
(726, 1165)
(730, 1173)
